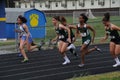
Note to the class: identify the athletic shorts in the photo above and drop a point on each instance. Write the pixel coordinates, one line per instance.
(86, 40)
(29, 39)
(116, 41)
(64, 40)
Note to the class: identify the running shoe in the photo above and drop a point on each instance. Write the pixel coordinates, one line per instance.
(81, 65)
(116, 65)
(65, 62)
(98, 49)
(19, 55)
(24, 60)
(73, 52)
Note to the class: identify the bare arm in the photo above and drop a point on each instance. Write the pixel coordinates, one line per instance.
(18, 31)
(114, 27)
(93, 31)
(105, 37)
(55, 39)
(77, 33)
(26, 30)
(72, 26)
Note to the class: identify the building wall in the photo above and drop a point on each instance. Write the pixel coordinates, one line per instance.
(51, 5)
(116, 4)
(2, 20)
(10, 30)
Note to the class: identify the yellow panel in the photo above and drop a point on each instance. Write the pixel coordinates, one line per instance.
(2, 19)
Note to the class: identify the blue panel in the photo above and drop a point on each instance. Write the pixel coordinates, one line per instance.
(10, 30)
(2, 8)
(2, 23)
(36, 23)
(37, 32)
(2, 29)
(41, 17)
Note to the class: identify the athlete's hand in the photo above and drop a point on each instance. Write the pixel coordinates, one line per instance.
(53, 40)
(18, 31)
(69, 40)
(102, 40)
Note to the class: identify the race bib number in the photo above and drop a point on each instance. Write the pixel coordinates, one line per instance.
(61, 37)
(83, 34)
(112, 37)
(87, 42)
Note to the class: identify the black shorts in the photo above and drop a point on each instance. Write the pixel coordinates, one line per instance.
(64, 40)
(116, 41)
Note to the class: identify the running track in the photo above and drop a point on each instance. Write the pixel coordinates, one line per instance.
(46, 65)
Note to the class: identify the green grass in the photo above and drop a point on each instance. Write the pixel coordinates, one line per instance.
(114, 78)
(106, 76)
(8, 42)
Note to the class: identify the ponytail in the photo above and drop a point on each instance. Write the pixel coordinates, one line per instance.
(60, 18)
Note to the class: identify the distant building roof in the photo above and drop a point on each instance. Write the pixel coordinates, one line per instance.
(13, 13)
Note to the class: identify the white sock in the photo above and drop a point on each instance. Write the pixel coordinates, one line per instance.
(117, 60)
(71, 46)
(66, 58)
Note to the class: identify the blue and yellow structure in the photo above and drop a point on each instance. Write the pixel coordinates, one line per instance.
(2, 20)
(36, 22)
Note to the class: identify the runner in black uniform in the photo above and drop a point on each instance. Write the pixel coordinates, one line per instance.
(71, 46)
(83, 29)
(63, 34)
(112, 32)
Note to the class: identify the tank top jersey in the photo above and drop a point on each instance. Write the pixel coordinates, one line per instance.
(113, 34)
(61, 32)
(83, 30)
(23, 32)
